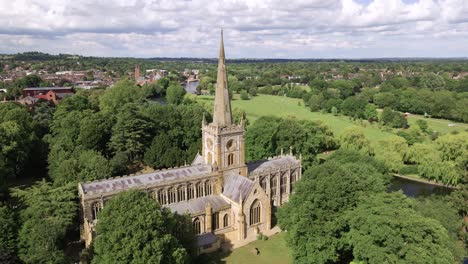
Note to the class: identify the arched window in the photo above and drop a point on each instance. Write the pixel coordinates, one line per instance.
(230, 159)
(172, 195)
(200, 189)
(263, 183)
(208, 188)
(191, 191)
(215, 221)
(181, 193)
(162, 197)
(226, 220)
(273, 184)
(284, 183)
(197, 226)
(96, 208)
(255, 213)
(293, 180)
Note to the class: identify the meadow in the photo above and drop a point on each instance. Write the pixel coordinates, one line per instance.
(264, 105)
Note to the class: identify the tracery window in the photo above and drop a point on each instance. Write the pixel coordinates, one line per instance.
(284, 183)
(215, 221)
(197, 226)
(96, 208)
(162, 197)
(208, 188)
(181, 193)
(200, 189)
(191, 191)
(172, 195)
(273, 184)
(293, 180)
(255, 213)
(226, 220)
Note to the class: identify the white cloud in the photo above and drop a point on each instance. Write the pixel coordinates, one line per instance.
(254, 28)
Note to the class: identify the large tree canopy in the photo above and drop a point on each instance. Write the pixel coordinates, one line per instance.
(133, 228)
(384, 228)
(313, 216)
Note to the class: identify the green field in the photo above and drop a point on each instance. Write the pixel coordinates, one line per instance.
(439, 125)
(272, 251)
(264, 105)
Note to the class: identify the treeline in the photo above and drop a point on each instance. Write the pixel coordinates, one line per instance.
(94, 134)
(443, 161)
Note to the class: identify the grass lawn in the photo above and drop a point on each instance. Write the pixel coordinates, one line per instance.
(439, 125)
(272, 251)
(264, 105)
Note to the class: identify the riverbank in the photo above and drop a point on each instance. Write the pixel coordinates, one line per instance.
(421, 180)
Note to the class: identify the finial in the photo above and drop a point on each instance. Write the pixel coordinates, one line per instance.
(300, 156)
(204, 119)
(290, 150)
(281, 151)
(185, 163)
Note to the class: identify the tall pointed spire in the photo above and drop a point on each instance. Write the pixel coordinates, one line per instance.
(222, 106)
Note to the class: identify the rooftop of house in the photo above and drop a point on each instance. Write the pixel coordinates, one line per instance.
(46, 88)
(133, 181)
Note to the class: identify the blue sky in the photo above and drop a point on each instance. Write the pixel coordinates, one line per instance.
(253, 28)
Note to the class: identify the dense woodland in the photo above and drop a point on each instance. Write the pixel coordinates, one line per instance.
(95, 134)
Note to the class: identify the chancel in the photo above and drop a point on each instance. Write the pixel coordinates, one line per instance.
(227, 199)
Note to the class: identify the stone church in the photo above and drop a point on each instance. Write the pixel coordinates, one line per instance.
(228, 200)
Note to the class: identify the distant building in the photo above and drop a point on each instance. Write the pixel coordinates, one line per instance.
(54, 94)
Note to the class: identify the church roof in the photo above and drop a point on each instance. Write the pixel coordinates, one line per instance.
(129, 182)
(236, 185)
(198, 205)
(273, 163)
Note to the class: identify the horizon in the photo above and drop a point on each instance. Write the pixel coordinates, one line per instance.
(331, 29)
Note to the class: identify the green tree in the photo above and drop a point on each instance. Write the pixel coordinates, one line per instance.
(353, 138)
(314, 227)
(175, 94)
(244, 95)
(123, 92)
(382, 223)
(130, 134)
(422, 124)
(8, 239)
(354, 107)
(133, 228)
(162, 153)
(47, 216)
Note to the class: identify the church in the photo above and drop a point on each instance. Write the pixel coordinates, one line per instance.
(227, 199)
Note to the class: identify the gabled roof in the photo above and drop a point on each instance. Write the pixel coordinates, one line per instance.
(46, 88)
(236, 185)
(133, 181)
(198, 205)
(273, 163)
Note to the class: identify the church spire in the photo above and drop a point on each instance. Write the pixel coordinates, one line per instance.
(222, 106)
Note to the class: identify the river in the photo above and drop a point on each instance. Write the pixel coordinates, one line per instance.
(416, 189)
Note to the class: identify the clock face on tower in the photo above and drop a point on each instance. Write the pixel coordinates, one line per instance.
(231, 145)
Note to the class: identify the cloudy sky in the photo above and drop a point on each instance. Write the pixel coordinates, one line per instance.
(253, 28)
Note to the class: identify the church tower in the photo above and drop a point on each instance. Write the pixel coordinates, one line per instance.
(223, 140)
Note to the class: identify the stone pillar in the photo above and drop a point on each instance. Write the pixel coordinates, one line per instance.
(185, 190)
(166, 196)
(203, 188)
(288, 187)
(268, 187)
(241, 220)
(278, 186)
(208, 218)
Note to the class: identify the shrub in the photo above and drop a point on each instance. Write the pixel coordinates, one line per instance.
(244, 95)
